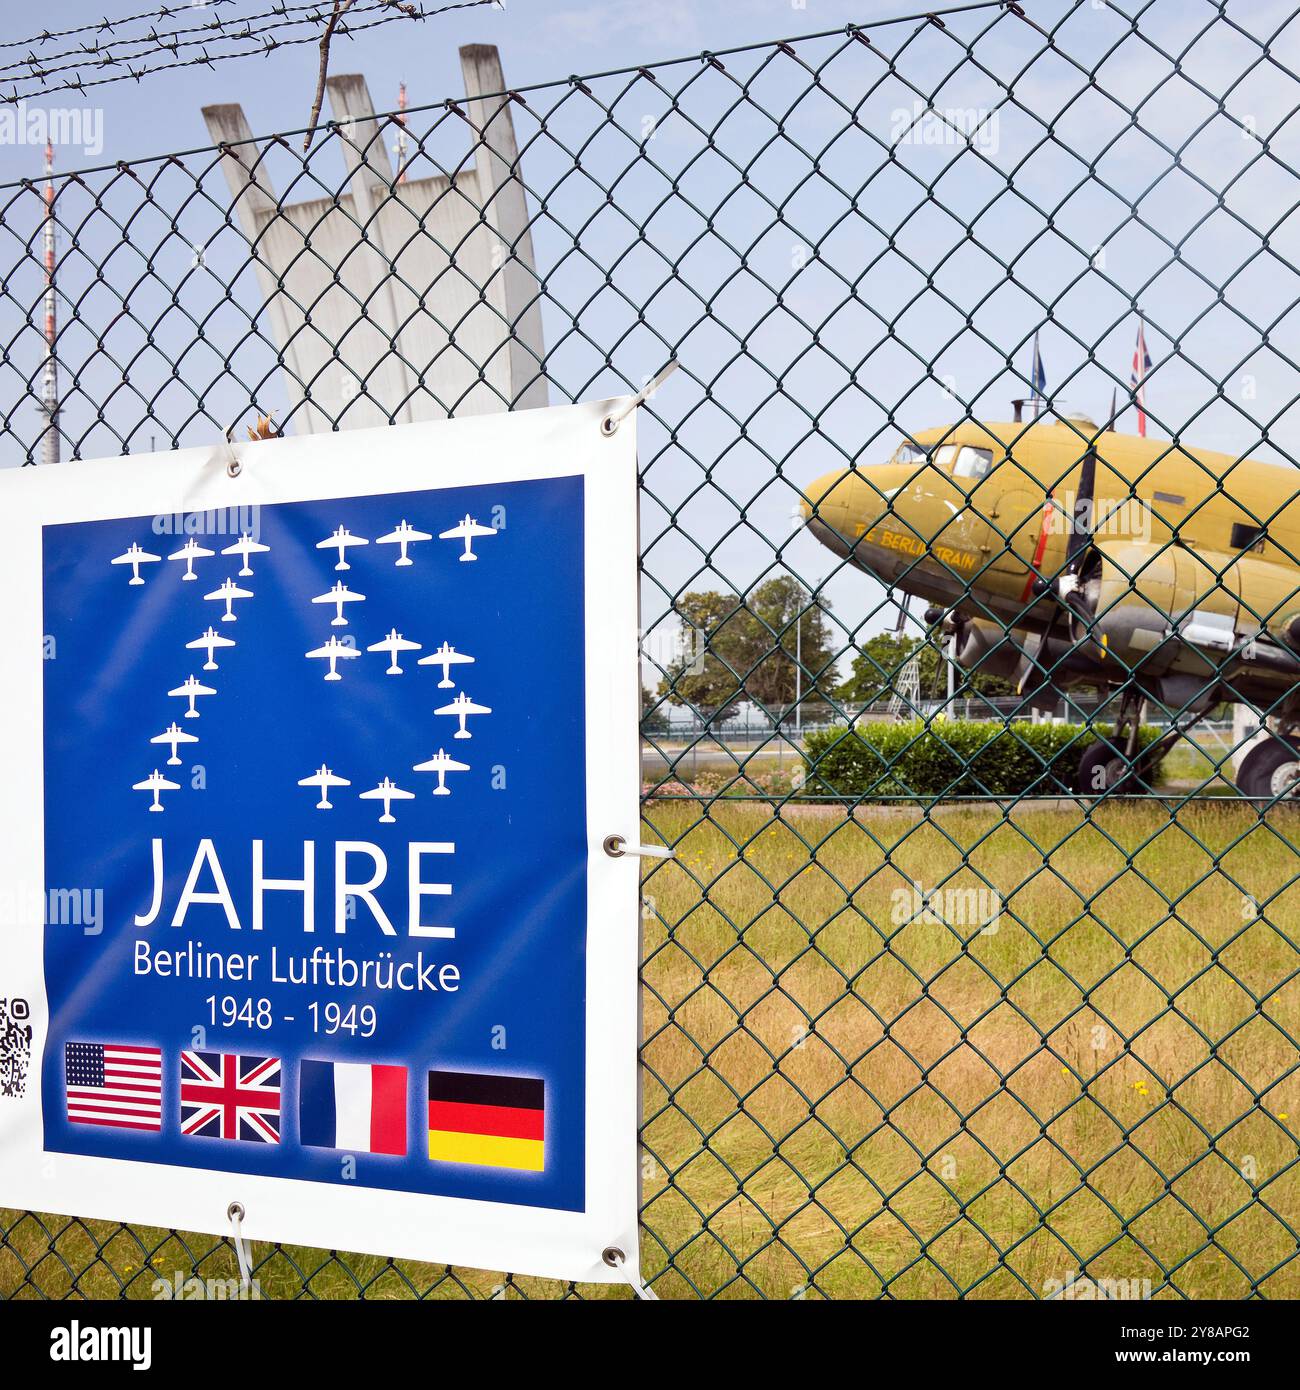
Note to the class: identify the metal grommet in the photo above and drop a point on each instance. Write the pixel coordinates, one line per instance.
(613, 1256)
(234, 468)
(235, 1211)
(608, 425)
(613, 846)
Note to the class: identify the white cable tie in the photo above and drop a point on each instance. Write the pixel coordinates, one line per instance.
(617, 847)
(609, 425)
(615, 1259)
(233, 466)
(235, 1211)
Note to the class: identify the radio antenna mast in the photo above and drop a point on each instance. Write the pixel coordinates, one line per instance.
(399, 149)
(50, 382)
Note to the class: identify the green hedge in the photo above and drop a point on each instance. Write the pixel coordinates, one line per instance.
(950, 757)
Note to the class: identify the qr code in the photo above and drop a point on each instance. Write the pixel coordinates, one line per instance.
(15, 1045)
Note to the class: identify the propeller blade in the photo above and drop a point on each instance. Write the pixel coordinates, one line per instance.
(1081, 529)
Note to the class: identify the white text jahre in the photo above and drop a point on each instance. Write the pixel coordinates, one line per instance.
(206, 885)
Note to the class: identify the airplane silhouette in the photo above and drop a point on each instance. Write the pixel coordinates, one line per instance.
(405, 534)
(190, 552)
(173, 735)
(229, 591)
(467, 530)
(135, 557)
(339, 540)
(324, 779)
(338, 596)
(334, 651)
(393, 644)
(210, 639)
(155, 783)
(446, 656)
(442, 763)
(387, 791)
(244, 547)
(462, 706)
(191, 690)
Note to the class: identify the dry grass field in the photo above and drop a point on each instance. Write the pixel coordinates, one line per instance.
(845, 1097)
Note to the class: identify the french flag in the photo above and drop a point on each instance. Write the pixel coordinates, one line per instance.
(352, 1106)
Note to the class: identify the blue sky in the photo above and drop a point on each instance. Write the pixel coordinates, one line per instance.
(867, 280)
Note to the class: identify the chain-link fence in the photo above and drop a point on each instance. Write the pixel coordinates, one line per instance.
(1004, 1005)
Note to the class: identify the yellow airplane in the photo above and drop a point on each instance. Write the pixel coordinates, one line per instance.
(1061, 554)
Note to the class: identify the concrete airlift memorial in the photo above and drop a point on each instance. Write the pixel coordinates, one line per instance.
(374, 994)
(443, 264)
(1061, 554)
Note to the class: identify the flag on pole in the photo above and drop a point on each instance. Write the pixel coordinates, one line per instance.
(1037, 380)
(1137, 382)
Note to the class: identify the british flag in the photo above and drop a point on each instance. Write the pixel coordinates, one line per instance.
(228, 1096)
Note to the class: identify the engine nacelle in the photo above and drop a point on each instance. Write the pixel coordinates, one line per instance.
(986, 648)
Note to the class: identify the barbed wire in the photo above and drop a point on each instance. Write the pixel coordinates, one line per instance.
(260, 39)
(159, 12)
(281, 15)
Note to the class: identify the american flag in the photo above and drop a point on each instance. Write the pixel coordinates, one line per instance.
(1141, 366)
(226, 1096)
(113, 1084)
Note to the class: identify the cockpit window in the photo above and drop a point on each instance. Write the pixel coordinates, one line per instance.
(945, 454)
(909, 453)
(972, 463)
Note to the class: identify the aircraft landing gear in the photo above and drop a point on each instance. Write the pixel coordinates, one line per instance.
(1271, 769)
(1102, 769)
(1119, 763)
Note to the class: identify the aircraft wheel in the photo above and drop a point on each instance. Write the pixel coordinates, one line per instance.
(1271, 769)
(1103, 768)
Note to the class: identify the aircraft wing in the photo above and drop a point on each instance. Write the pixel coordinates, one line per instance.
(443, 764)
(161, 783)
(345, 653)
(140, 555)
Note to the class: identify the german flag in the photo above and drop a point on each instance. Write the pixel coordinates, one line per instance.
(492, 1121)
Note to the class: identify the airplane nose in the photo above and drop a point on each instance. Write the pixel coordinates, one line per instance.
(843, 506)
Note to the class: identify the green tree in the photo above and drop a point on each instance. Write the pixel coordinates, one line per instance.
(880, 659)
(735, 649)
